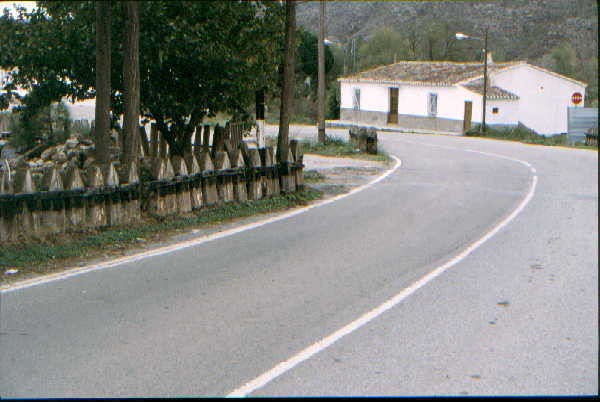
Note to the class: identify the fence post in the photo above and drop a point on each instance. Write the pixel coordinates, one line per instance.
(218, 143)
(76, 206)
(153, 140)
(53, 203)
(133, 207)
(7, 204)
(170, 193)
(144, 141)
(197, 141)
(23, 221)
(254, 174)
(195, 182)
(239, 179)
(209, 180)
(286, 176)
(163, 150)
(183, 196)
(224, 177)
(271, 178)
(95, 198)
(114, 199)
(296, 148)
(206, 139)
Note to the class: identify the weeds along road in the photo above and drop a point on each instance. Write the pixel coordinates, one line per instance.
(518, 315)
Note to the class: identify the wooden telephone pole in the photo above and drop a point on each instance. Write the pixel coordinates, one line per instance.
(321, 76)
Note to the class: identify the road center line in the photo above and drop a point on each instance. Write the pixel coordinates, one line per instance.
(190, 243)
(324, 343)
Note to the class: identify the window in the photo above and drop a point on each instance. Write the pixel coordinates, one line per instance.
(356, 99)
(495, 110)
(432, 105)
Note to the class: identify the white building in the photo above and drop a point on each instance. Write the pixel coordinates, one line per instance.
(443, 96)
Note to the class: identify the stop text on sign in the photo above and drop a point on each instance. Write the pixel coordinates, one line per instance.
(576, 98)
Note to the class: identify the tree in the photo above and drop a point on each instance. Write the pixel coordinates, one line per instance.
(564, 58)
(196, 58)
(50, 124)
(307, 63)
(384, 47)
(103, 85)
(131, 85)
(287, 90)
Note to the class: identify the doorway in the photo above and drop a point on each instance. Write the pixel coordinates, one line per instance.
(468, 115)
(393, 114)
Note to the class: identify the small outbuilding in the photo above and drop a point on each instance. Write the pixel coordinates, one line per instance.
(447, 96)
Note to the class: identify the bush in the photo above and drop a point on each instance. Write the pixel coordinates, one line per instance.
(50, 124)
(518, 133)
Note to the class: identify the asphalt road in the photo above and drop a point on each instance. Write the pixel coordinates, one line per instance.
(517, 316)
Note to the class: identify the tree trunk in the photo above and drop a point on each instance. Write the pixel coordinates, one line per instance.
(287, 90)
(103, 89)
(131, 84)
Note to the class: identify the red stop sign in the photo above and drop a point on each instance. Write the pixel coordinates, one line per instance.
(576, 98)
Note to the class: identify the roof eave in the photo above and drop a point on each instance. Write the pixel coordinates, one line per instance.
(390, 82)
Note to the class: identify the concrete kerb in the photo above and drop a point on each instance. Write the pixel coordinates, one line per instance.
(349, 124)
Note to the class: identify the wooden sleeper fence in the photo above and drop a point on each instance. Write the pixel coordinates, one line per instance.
(180, 185)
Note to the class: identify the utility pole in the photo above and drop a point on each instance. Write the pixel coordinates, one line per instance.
(260, 118)
(353, 55)
(485, 77)
(321, 76)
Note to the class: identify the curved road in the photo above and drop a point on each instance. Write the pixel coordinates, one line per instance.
(517, 316)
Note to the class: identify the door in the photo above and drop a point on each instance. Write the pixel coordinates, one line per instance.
(468, 115)
(393, 114)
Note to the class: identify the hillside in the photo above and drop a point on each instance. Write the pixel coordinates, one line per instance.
(518, 29)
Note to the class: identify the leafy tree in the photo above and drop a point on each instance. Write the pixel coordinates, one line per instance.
(333, 102)
(196, 58)
(565, 59)
(384, 47)
(308, 63)
(50, 124)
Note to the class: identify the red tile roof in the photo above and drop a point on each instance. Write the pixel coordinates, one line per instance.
(493, 93)
(427, 72)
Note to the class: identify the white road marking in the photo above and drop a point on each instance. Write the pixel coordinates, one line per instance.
(324, 343)
(189, 243)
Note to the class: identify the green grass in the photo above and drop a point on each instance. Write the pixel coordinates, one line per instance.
(525, 136)
(36, 256)
(337, 147)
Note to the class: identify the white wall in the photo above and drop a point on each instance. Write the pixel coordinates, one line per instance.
(373, 97)
(413, 100)
(508, 112)
(544, 98)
